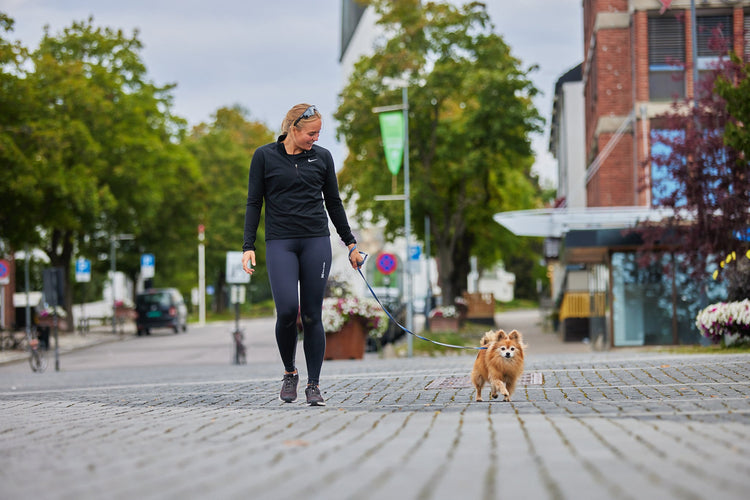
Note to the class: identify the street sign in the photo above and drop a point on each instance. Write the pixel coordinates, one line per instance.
(148, 265)
(4, 272)
(235, 274)
(415, 252)
(83, 270)
(386, 263)
(237, 294)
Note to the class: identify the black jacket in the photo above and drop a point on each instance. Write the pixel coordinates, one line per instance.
(295, 189)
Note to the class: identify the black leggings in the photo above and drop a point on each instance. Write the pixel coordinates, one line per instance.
(307, 262)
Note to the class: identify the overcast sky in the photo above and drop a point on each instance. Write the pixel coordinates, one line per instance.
(269, 55)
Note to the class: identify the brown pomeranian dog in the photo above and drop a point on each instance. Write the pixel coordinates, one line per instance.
(500, 364)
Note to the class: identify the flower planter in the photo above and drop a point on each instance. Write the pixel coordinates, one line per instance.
(347, 343)
(442, 324)
(49, 322)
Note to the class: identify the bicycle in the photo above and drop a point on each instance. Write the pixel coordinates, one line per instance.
(37, 356)
(13, 341)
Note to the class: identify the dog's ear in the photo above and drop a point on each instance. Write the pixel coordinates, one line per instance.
(500, 335)
(516, 335)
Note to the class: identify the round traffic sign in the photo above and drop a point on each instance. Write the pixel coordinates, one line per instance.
(4, 272)
(386, 263)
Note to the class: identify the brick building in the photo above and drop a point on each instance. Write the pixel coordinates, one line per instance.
(638, 58)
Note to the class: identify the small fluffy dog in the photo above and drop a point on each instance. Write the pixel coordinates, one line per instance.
(500, 364)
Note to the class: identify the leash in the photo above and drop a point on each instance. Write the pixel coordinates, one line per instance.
(388, 313)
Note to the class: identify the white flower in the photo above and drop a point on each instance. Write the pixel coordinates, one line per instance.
(444, 312)
(338, 310)
(721, 318)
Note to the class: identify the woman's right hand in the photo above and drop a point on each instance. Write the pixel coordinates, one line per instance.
(248, 257)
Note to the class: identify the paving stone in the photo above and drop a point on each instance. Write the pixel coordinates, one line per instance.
(598, 425)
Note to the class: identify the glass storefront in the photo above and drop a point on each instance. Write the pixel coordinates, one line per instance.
(656, 303)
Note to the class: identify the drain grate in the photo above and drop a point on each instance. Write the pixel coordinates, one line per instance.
(529, 378)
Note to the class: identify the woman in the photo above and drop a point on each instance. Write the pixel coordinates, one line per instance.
(297, 179)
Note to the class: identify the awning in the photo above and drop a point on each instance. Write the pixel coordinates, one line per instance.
(555, 222)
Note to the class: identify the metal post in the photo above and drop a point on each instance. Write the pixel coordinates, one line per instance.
(694, 42)
(407, 212)
(201, 276)
(26, 285)
(113, 268)
(113, 262)
(428, 299)
(407, 226)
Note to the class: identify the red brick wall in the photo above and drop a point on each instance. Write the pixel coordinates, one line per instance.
(688, 56)
(612, 185)
(614, 83)
(640, 28)
(609, 92)
(739, 32)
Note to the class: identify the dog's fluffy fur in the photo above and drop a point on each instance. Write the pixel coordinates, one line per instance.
(500, 364)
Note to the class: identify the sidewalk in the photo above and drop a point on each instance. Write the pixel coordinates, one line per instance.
(71, 341)
(587, 425)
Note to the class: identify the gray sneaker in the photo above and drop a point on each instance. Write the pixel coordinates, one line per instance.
(312, 392)
(289, 388)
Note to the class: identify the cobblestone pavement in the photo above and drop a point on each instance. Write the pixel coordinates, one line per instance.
(599, 426)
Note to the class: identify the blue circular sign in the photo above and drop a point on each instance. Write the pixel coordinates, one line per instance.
(386, 263)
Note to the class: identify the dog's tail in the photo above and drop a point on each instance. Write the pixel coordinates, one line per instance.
(487, 338)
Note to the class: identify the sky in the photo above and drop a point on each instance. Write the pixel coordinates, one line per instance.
(269, 55)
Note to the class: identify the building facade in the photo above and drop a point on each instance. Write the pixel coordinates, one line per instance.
(638, 57)
(638, 60)
(567, 142)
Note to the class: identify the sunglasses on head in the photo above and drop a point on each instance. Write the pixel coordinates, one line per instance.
(308, 113)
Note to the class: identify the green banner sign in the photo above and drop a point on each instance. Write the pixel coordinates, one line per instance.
(392, 130)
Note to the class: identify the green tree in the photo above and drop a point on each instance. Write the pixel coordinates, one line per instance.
(223, 150)
(735, 89)
(470, 116)
(98, 144)
(17, 190)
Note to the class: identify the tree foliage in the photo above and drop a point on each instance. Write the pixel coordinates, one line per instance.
(734, 88)
(224, 149)
(470, 116)
(705, 162)
(94, 151)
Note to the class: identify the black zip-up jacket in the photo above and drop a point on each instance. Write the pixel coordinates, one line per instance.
(295, 188)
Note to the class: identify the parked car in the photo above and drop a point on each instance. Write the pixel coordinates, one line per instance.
(160, 308)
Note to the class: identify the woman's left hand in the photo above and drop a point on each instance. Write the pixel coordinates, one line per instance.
(356, 259)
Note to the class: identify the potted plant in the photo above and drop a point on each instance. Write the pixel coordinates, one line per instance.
(725, 321)
(348, 321)
(445, 319)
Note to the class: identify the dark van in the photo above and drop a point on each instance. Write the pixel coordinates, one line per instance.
(160, 308)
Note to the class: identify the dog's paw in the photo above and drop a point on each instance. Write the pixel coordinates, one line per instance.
(478, 400)
(506, 397)
(494, 395)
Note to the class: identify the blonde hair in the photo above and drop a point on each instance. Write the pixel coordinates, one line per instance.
(295, 113)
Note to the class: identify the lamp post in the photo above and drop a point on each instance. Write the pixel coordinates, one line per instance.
(404, 106)
(694, 45)
(113, 268)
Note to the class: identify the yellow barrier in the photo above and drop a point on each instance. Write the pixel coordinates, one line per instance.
(578, 305)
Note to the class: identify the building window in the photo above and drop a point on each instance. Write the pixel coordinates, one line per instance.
(666, 58)
(657, 303)
(642, 305)
(714, 41)
(664, 186)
